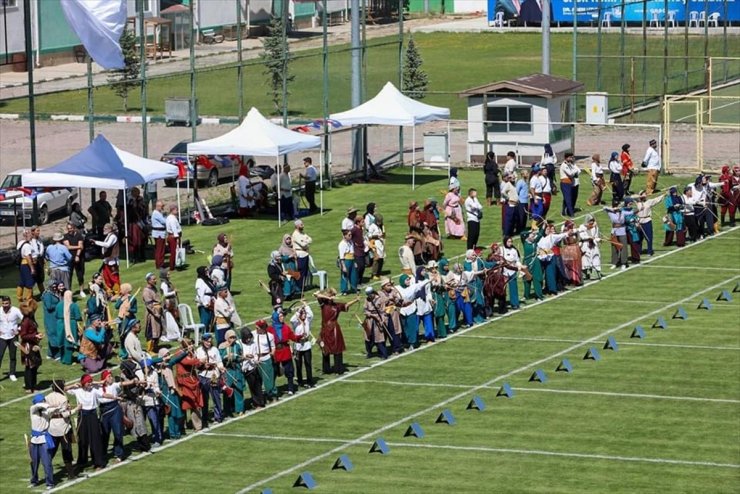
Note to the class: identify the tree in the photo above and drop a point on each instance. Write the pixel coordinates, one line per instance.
(415, 80)
(124, 80)
(276, 57)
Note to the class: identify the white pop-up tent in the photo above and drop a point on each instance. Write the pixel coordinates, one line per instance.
(257, 136)
(391, 107)
(102, 165)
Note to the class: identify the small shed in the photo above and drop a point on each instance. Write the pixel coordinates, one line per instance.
(520, 115)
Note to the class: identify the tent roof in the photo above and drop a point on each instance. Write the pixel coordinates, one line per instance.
(256, 136)
(543, 85)
(101, 165)
(391, 107)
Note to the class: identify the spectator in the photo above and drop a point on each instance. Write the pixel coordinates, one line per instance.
(77, 218)
(10, 326)
(59, 259)
(100, 213)
(74, 240)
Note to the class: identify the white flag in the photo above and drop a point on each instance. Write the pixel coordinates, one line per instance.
(99, 25)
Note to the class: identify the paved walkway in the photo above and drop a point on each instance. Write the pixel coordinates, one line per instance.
(72, 76)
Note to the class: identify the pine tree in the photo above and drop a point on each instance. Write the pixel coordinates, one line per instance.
(415, 80)
(276, 58)
(124, 80)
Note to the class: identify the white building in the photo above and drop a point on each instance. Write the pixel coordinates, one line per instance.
(520, 115)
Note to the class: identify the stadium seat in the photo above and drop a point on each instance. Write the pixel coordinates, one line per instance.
(606, 21)
(694, 18)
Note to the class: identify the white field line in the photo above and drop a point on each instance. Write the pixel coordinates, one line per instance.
(624, 300)
(465, 393)
(547, 390)
(695, 268)
(632, 343)
(484, 449)
(706, 112)
(378, 364)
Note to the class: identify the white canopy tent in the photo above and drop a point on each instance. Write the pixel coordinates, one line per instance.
(257, 136)
(391, 107)
(102, 165)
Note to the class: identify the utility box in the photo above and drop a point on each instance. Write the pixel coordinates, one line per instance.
(436, 148)
(177, 111)
(597, 108)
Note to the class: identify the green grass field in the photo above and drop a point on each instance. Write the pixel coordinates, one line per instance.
(478, 59)
(725, 105)
(658, 415)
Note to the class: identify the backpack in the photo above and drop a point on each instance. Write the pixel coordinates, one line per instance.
(17, 257)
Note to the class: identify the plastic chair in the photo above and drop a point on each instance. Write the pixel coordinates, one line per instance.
(499, 20)
(671, 21)
(323, 276)
(606, 21)
(654, 19)
(694, 18)
(188, 323)
(714, 19)
(702, 18)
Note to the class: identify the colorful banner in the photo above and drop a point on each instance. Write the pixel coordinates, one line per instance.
(588, 10)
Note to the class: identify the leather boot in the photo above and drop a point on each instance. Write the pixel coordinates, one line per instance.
(27, 293)
(19, 294)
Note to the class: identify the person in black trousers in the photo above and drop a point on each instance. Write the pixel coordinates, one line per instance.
(493, 186)
(89, 439)
(251, 368)
(310, 178)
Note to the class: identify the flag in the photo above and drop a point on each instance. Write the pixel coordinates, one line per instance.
(99, 25)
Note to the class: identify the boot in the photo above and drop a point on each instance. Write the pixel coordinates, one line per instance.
(488, 201)
(339, 363)
(369, 348)
(19, 294)
(326, 364)
(27, 294)
(71, 473)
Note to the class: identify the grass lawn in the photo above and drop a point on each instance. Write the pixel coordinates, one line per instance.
(454, 62)
(659, 414)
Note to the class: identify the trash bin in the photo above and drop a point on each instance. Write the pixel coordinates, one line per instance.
(177, 111)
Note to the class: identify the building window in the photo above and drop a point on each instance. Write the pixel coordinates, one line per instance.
(8, 3)
(504, 119)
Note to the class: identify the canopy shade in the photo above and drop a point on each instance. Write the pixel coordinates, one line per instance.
(256, 136)
(101, 165)
(391, 107)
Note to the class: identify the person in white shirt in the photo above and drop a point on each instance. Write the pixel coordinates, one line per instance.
(348, 222)
(569, 172)
(597, 181)
(204, 293)
(310, 178)
(511, 270)
(509, 203)
(10, 326)
(644, 215)
(474, 213)
(111, 415)
(209, 376)
(346, 261)
(590, 237)
(546, 254)
(41, 441)
(38, 257)
(60, 426)
(246, 191)
(702, 195)
(88, 430)
(511, 165)
(406, 255)
(131, 342)
(265, 345)
(26, 269)
(159, 232)
(174, 232)
(376, 245)
(652, 163)
(301, 322)
(250, 367)
(151, 400)
(536, 190)
(301, 245)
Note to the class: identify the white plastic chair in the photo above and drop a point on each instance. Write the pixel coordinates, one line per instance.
(671, 21)
(694, 18)
(702, 18)
(714, 19)
(188, 323)
(654, 19)
(323, 276)
(499, 20)
(606, 21)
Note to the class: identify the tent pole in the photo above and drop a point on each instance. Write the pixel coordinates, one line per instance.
(449, 149)
(125, 223)
(321, 178)
(179, 213)
(280, 217)
(413, 157)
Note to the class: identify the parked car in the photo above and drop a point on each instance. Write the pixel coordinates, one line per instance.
(16, 201)
(211, 168)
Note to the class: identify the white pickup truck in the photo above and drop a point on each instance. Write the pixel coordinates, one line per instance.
(16, 201)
